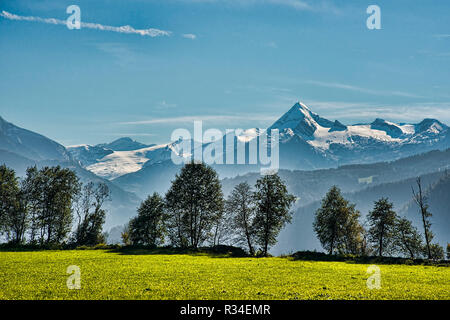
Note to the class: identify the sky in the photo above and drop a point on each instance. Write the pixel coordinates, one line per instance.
(229, 63)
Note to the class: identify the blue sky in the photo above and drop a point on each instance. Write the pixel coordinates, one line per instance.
(243, 65)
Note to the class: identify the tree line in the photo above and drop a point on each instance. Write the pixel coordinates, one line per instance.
(40, 209)
(194, 212)
(51, 206)
(384, 233)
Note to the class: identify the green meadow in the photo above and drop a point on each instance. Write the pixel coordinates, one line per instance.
(143, 275)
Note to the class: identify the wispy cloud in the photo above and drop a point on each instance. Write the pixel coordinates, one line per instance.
(211, 118)
(302, 5)
(189, 36)
(166, 105)
(441, 36)
(132, 134)
(344, 86)
(151, 32)
(349, 112)
(296, 4)
(272, 44)
(121, 53)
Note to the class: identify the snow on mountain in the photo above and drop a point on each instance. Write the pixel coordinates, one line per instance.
(307, 141)
(111, 164)
(124, 144)
(21, 148)
(87, 155)
(321, 133)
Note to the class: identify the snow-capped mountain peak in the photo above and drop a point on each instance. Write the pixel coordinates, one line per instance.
(301, 121)
(431, 126)
(306, 141)
(391, 129)
(123, 144)
(321, 133)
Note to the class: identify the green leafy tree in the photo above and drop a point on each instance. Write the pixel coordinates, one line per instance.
(272, 204)
(91, 215)
(336, 224)
(18, 220)
(9, 188)
(148, 228)
(34, 198)
(407, 238)
(51, 194)
(353, 240)
(13, 206)
(125, 235)
(437, 251)
(448, 251)
(240, 206)
(194, 203)
(382, 225)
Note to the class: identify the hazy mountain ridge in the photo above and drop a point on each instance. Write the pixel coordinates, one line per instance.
(307, 142)
(360, 182)
(29, 144)
(311, 185)
(21, 148)
(300, 234)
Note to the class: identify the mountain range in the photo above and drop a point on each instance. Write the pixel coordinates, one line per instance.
(307, 141)
(21, 148)
(366, 160)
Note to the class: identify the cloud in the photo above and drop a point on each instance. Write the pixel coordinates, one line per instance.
(296, 4)
(165, 105)
(351, 112)
(363, 90)
(272, 44)
(212, 118)
(441, 36)
(121, 53)
(301, 5)
(151, 32)
(132, 134)
(189, 36)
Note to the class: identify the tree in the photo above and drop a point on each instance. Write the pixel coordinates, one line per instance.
(222, 229)
(194, 203)
(353, 240)
(148, 227)
(437, 251)
(336, 224)
(272, 204)
(51, 193)
(32, 193)
(17, 220)
(240, 206)
(407, 239)
(91, 215)
(13, 206)
(382, 224)
(9, 188)
(125, 235)
(448, 251)
(421, 200)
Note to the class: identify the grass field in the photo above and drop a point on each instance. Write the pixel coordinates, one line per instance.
(116, 275)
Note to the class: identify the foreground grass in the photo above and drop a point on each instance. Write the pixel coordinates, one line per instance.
(118, 275)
